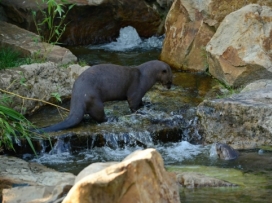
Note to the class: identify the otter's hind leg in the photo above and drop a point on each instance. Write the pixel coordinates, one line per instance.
(96, 111)
(135, 102)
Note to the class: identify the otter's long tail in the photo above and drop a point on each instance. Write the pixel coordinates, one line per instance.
(71, 121)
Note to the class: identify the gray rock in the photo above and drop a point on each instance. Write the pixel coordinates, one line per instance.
(243, 120)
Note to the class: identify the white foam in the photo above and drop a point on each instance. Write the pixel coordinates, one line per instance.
(129, 39)
(181, 151)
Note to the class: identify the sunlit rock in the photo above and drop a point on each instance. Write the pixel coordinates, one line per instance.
(189, 26)
(93, 168)
(242, 120)
(186, 36)
(240, 51)
(140, 177)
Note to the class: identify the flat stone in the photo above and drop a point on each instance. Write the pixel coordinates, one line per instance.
(30, 45)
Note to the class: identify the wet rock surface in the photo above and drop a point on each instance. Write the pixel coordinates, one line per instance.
(242, 120)
(196, 180)
(240, 184)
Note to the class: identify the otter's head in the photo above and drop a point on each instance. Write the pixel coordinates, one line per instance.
(165, 75)
(225, 151)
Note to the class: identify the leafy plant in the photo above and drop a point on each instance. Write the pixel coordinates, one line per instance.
(14, 127)
(52, 20)
(56, 95)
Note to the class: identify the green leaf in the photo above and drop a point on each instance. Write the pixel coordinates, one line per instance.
(31, 145)
(59, 10)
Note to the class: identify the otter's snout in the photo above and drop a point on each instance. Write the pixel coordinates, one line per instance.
(168, 85)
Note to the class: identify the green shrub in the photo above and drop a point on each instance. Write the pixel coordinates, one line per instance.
(13, 128)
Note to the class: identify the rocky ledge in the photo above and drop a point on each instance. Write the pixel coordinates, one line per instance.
(243, 120)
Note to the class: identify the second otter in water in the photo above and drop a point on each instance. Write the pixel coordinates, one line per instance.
(109, 82)
(226, 152)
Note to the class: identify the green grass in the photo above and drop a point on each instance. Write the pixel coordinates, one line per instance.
(10, 58)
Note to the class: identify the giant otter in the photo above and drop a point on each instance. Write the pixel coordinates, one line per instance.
(226, 152)
(108, 82)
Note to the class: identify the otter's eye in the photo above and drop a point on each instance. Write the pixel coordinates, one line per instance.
(164, 71)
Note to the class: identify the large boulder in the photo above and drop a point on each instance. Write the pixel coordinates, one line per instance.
(90, 22)
(140, 177)
(242, 120)
(186, 35)
(190, 24)
(30, 45)
(38, 82)
(240, 50)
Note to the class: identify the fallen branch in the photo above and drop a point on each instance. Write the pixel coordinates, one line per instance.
(33, 99)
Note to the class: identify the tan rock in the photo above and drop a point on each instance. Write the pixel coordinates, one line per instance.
(189, 26)
(218, 9)
(186, 35)
(140, 177)
(240, 50)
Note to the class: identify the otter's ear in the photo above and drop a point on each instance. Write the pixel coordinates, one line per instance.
(164, 71)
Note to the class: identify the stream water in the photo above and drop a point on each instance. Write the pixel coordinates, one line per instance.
(180, 147)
